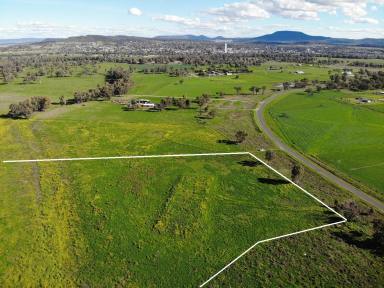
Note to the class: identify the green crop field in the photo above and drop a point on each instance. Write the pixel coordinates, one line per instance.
(348, 137)
(137, 223)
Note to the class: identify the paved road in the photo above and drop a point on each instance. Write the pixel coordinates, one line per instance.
(308, 162)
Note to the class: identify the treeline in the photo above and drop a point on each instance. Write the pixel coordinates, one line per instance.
(117, 82)
(24, 109)
(366, 64)
(361, 81)
(165, 69)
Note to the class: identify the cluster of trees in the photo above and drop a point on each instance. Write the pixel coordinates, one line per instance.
(255, 90)
(9, 71)
(164, 69)
(361, 81)
(117, 83)
(182, 103)
(240, 136)
(354, 213)
(366, 64)
(30, 78)
(24, 109)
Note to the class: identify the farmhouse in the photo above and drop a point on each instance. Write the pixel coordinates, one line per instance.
(144, 103)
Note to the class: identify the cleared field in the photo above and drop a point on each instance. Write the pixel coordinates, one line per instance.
(146, 223)
(346, 137)
(73, 224)
(156, 222)
(163, 85)
(153, 84)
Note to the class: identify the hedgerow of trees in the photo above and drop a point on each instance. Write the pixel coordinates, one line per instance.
(24, 109)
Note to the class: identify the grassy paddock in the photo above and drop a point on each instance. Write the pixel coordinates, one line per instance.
(172, 218)
(153, 84)
(105, 223)
(345, 136)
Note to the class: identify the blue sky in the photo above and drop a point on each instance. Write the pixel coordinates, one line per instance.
(63, 18)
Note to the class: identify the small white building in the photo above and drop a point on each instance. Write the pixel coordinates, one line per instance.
(349, 73)
(144, 103)
(299, 72)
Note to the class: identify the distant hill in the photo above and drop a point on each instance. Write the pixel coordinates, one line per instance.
(292, 37)
(20, 41)
(289, 37)
(279, 37)
(184, 37)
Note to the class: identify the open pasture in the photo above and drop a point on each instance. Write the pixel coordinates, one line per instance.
(345, 136)
(145, 222)
(192, 86)
(152, 223)
(155, 84)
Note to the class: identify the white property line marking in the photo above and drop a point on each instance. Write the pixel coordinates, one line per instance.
(125, 157)
(209, 154)
(282, 236)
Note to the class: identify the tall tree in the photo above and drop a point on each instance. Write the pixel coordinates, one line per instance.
(240, 136)
(296, 173)
(237, 89)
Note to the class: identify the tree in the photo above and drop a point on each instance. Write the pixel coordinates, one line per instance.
(296, 173)
(62, 100)
(286, 85)
(263, 88)
(181, 81)
(255, 90)
(25, 108)
(269, 155)
(240, 136)
(211, 114)
(349, 209)
(238, 89)
(115, 74)
(309, 91)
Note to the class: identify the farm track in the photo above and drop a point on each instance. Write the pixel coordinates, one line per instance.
(306, 161)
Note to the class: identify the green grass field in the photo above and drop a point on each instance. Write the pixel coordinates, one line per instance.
(135, 223)
(154, 84)
(163, 85)
(347, 137)
(170, 222)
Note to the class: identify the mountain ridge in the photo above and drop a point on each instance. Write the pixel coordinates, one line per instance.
(278, 37)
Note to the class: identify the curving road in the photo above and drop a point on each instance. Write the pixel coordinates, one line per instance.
(308, 162)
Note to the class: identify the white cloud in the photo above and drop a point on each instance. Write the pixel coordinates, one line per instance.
(48, 30)
(196, 24)
(240, 10)
(355, 10)
(135, 12)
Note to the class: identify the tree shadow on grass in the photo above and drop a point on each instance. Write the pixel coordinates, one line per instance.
(7, 116)
(249, 163)
(273, 181)
(226, 141)
(359, 240)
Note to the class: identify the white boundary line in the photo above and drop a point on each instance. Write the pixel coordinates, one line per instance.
(125, 157)
(209, 154)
